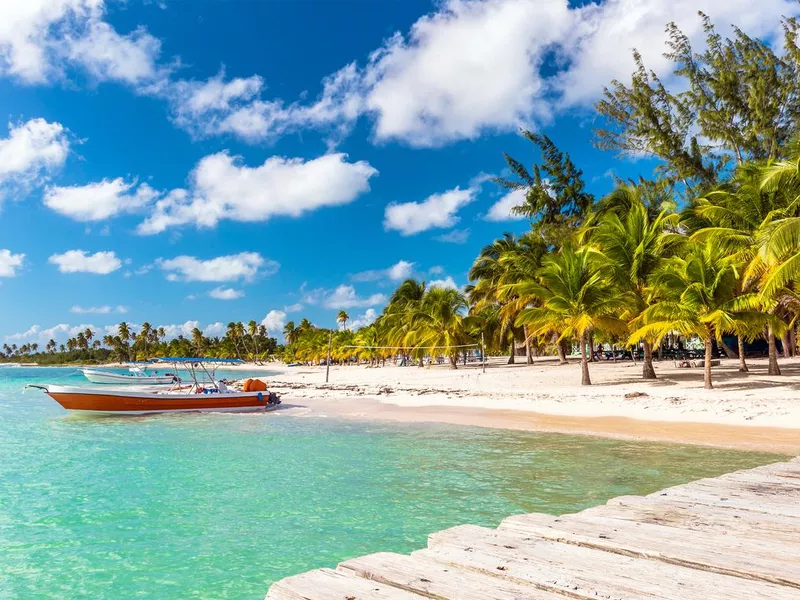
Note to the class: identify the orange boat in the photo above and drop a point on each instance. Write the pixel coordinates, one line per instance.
(207, 396)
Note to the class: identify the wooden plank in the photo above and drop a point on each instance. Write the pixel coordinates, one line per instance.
(588, 573)
(327, 584)
(731, 555)
(438, 580)
(701, 517)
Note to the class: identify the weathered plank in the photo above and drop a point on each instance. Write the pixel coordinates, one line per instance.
(585, 572)
(702, 517)
(327, 584)
(437, 580)
(731, 555)
(726, 538)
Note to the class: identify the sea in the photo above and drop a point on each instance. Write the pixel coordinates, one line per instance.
(219, 506)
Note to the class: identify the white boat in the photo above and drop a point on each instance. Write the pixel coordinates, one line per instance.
(137, 376)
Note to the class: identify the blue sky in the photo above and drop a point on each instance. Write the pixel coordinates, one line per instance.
(192, 163)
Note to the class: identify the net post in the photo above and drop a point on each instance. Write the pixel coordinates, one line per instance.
(483, 354)
(328, 362)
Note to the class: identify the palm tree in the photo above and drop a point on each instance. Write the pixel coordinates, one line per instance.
(342, 318)
(631, 245)
(441, 321)
(398, 315)
(252, 329)
(575, 298)
(698, 296)
(505, 262)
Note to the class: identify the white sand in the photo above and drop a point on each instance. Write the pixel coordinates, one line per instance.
(753, 399)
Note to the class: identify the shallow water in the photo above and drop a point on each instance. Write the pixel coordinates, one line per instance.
(219, 506)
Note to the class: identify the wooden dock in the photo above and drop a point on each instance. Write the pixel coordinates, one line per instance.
(731, 537)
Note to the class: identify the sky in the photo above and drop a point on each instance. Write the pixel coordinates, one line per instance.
(194, 163)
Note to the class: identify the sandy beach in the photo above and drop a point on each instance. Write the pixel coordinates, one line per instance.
(745, 410)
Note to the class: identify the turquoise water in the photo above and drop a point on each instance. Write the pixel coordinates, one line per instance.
(219, 506)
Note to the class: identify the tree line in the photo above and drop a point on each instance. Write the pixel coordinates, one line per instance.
(708, 247)
(243, 341)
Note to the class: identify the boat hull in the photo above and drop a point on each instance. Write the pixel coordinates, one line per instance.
(143, 403)
(120, 379)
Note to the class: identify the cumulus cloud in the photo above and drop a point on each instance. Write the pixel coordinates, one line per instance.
(363, 320)
(501, 210)
(31, 151)
(10, 262)
(274, 321)
(345, 296)
(243, 266)
(80, 261)
(220, 293)
(446, 283)
(221, 187)
(99, 310)
(456, 236)
(99, 201)
(59, 333)
(399, 271)
(436, 211)
(41, 39)
(470, 67)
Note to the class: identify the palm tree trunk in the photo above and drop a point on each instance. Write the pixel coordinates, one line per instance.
(454, 360)
(786, 344)
(562, 353)
(511, 354)
(528, 355)
(774, 368)
(585, 379)
(648, 371)
(742, 363)
(707, 365)
(727, 349)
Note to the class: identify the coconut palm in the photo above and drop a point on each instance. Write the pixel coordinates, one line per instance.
(342, 318)
(698, 296)
(504, 262)
(440, 321)
(630, 246)
(575, 299)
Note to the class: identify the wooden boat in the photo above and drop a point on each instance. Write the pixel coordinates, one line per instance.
(140, 402)
(137, 376)
(210, 395)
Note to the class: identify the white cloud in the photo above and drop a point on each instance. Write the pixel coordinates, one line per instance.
(60, 333)
(217, 329)
(185, 329)
(456, 236)
(437, 211)
(296, 307)
(99, 201)
(436, 270)
(39, 39)
(274, 321)
(9, 263)
(222, 188)
(345, 296)
(501, 210)
(397, 272)
(80, 261)
(445, 283)
(31, 150)
(99, 310)
(367, 318)
(244, 266)
(220, 293)
(471, 67)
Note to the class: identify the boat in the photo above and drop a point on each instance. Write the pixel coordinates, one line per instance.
(201, 395)
(137, 376)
